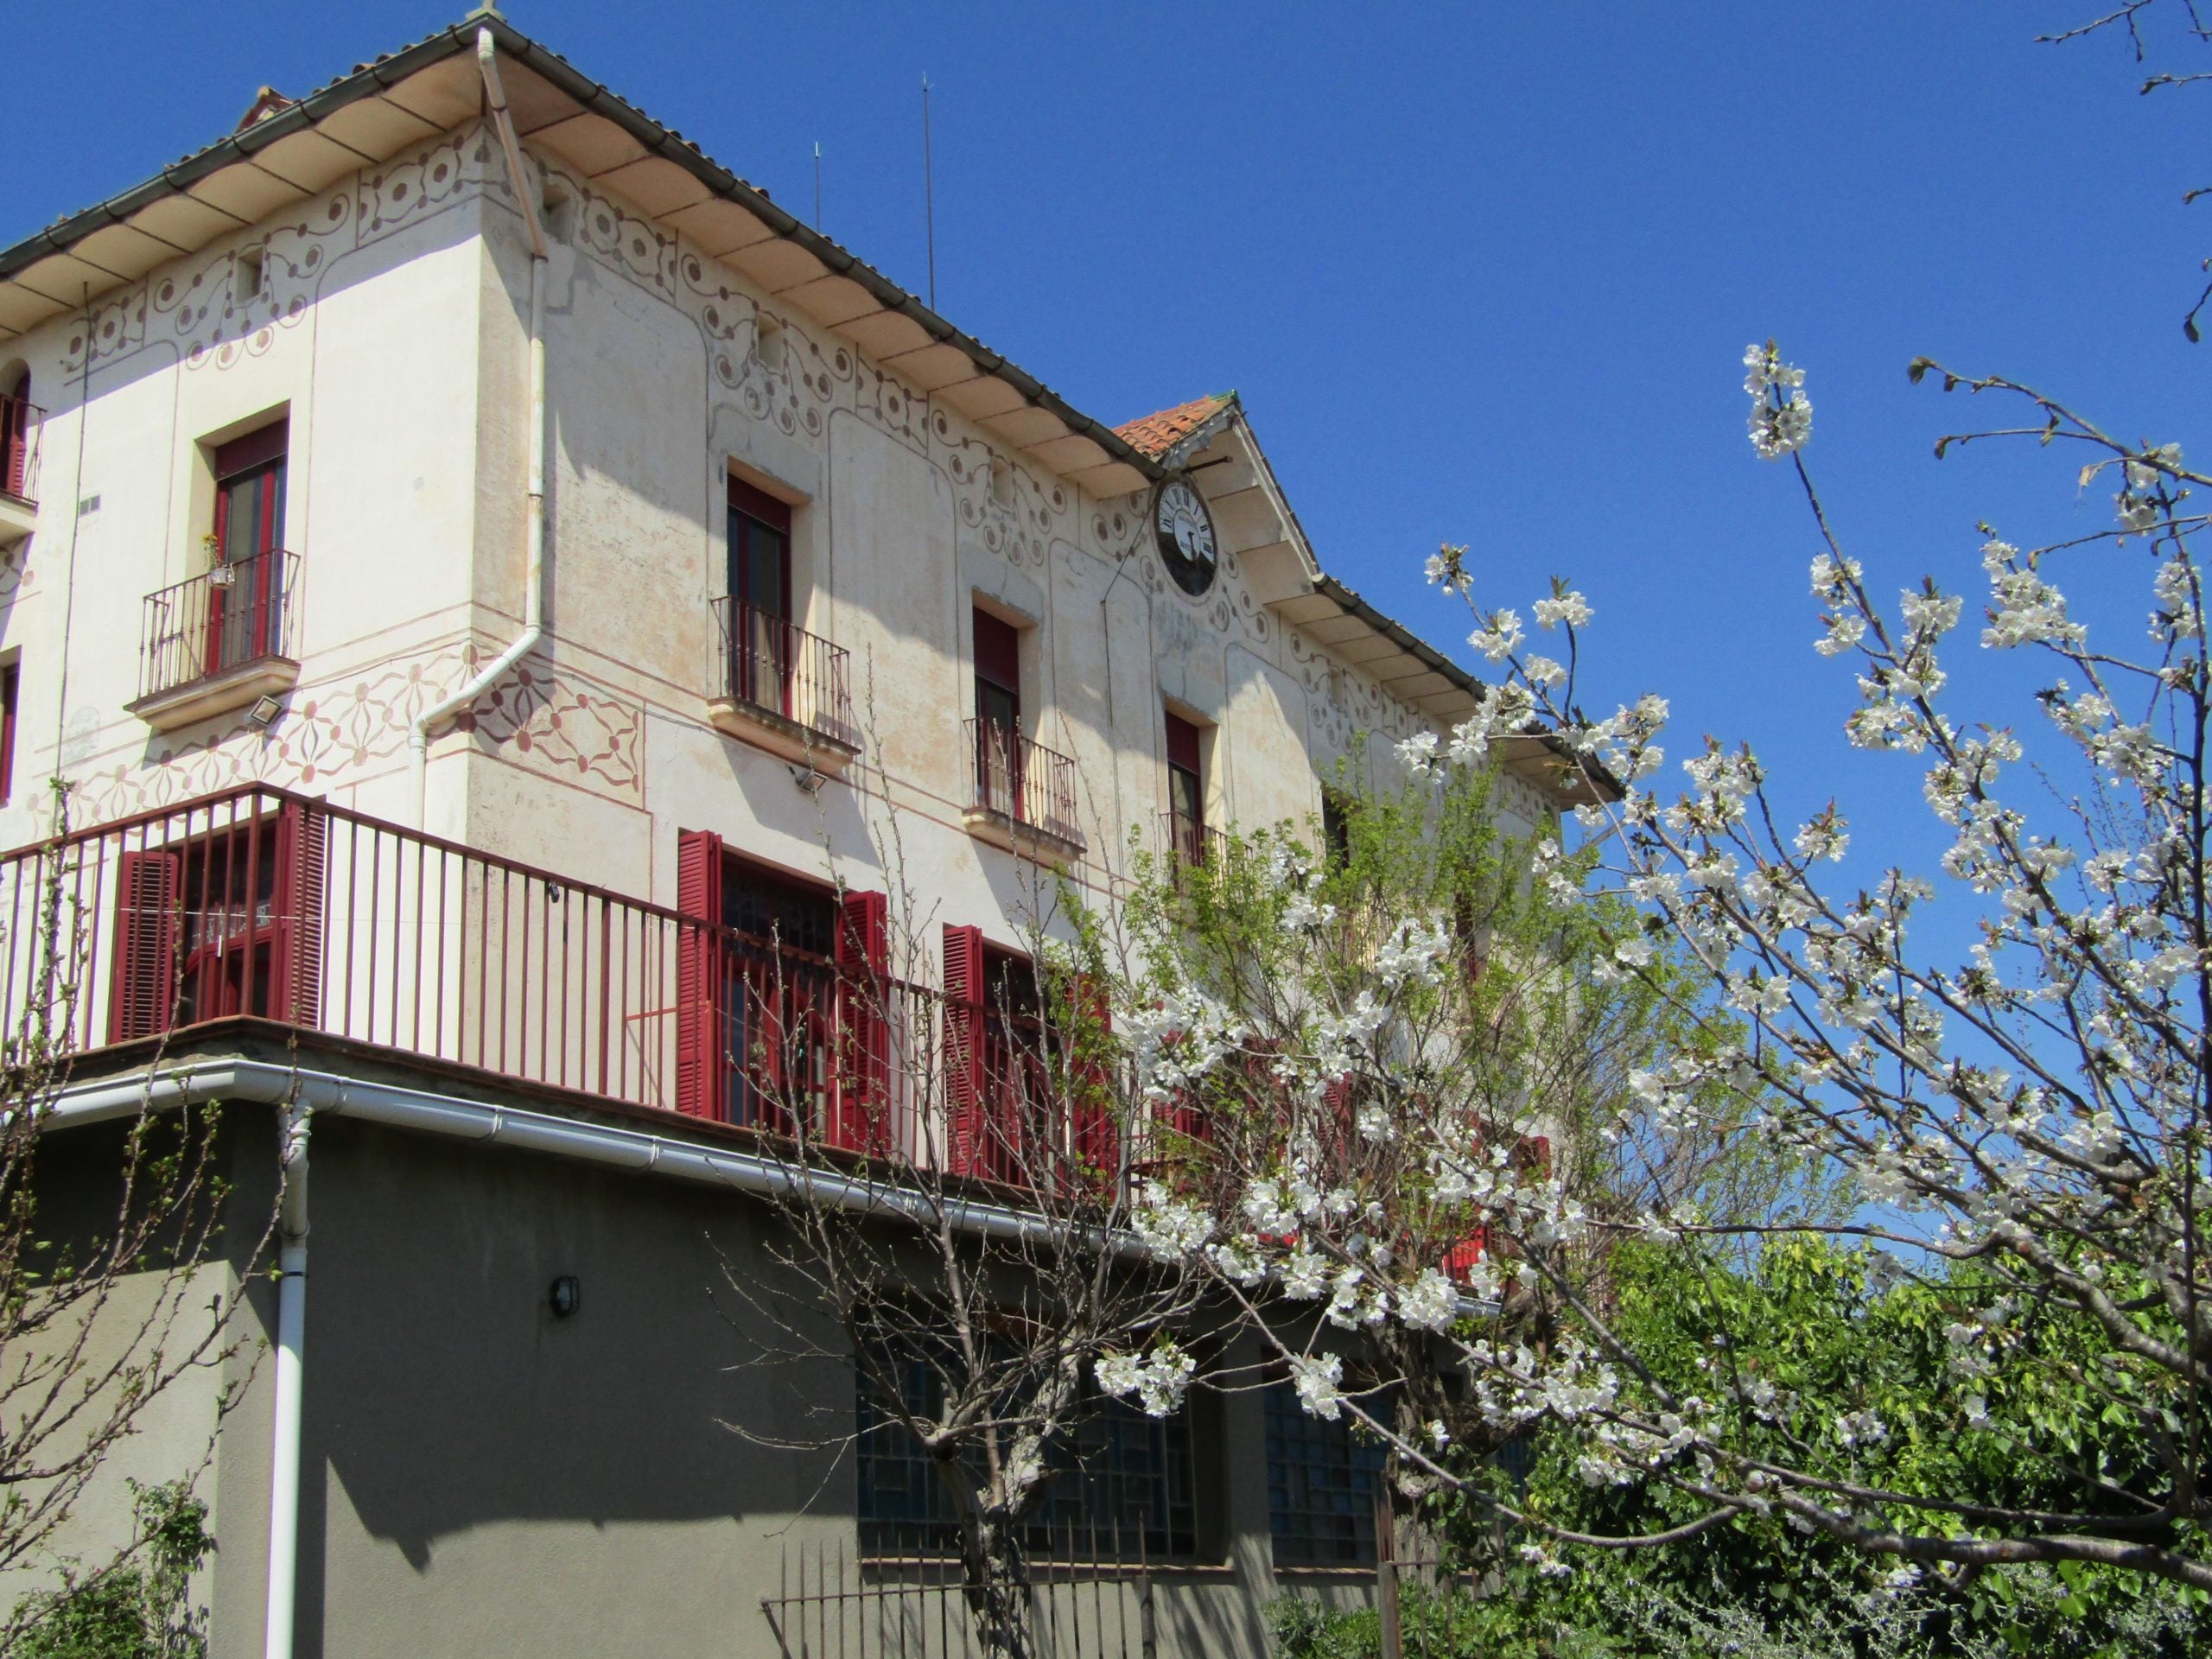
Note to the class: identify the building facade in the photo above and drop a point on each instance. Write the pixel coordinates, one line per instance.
(457, 544)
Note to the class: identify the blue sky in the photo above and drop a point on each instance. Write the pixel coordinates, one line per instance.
(1481, 271)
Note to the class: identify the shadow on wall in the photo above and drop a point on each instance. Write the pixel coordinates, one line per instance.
(443, 1392)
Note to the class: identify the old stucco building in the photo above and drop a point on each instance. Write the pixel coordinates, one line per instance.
(452, 533)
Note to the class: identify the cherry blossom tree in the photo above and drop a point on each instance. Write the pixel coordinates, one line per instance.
(2024, 1121)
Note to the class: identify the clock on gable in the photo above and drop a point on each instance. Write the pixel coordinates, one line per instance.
(1183, 529)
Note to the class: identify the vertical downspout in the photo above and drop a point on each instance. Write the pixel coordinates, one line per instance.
(291, 1379)
(418, 735)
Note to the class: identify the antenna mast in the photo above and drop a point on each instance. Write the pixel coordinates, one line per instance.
(929, 196)
(817, 184)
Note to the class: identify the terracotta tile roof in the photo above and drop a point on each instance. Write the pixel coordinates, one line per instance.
(1155, 435)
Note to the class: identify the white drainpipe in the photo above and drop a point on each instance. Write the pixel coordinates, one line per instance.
(418, 735)
(290, 1385)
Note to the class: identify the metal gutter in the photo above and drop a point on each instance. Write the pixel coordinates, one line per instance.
(420, 1111)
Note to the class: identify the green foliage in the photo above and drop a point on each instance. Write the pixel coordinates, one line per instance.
(1966, 1418)
(140, 1609)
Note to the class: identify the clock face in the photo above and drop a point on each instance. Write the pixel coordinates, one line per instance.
(1183, 529)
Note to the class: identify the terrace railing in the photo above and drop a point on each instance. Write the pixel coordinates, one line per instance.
(259, 903)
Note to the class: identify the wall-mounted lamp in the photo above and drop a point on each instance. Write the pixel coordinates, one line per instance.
(264, 713)
(566, 1296)
(807, 777)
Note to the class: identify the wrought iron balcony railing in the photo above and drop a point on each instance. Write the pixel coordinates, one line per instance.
(237, 613)
(1189, 843)
(1020, 783)
(766, 665)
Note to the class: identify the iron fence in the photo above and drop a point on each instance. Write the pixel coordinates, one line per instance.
(764, 662)
(238, 612)
(832, 1606)
(1021, 781)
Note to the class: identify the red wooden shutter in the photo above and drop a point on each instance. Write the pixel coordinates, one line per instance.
(998, 652)
(254, 449)
(1183, 744)
(302, 856)
(701, 1068)
(863, 1094)
(1097, 1131)
(1459, 1261)
(1534, 1155)
(963, 1048)
(143, 999)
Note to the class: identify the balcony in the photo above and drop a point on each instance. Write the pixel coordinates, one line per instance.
(219, 641)
(1189, 844)
(1021, 794)
(260, 911)
(21, 424)
(781, 689)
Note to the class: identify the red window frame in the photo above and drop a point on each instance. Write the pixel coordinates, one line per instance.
(762, 654)
(245, 616)
(222, 924)
(11, 681)
(759, 1022)
(999, 767)
(1187, 788)
(16, 438)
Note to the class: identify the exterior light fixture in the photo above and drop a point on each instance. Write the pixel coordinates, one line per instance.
(264, 713)
(565, 1297)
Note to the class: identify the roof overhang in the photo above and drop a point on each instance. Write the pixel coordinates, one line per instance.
(386, 107)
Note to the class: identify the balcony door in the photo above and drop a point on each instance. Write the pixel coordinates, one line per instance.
(245, 604)
(1186, 794)
(759, 614)
(998, 715)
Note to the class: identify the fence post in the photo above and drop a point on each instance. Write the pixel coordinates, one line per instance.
(1386, 1570)
(1147, 1625)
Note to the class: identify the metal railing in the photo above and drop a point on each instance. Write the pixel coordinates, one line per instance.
(260, 903)
(767, 663)
(263, 903)
(238, 612)
(1191, 842)
(1087, 1605)
(21, 424)
(1021, 781)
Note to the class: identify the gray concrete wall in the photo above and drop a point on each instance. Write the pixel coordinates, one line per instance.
(482, 1477)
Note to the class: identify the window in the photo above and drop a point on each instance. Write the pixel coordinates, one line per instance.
(245, 604)
(998, 715)
(10, 688)
(1186, 791)
(765, 993)
(996, 1070)
(15, 418)
(1321, 1481)
(1119, 1480)
(223, 923)
(1336, 827)
(757, 613)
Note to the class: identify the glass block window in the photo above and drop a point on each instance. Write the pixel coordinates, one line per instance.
(1120, 1482)
(1320, 1486)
